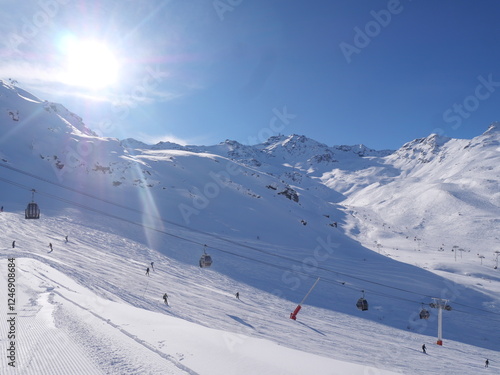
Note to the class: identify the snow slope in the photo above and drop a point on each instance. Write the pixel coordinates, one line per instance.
(446, 195)
(267, 213)
(88, 307)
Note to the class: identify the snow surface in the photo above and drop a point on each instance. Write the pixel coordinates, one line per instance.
(88, 307)
(411, 225)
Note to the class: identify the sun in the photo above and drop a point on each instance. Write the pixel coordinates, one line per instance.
(89, 63)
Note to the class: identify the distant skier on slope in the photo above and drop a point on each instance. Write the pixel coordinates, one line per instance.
(165, 296)
(13, 244)
(147, 271)
(237, 295)
(486, 364)
(152, 266)
(50, 246)
(423, 349)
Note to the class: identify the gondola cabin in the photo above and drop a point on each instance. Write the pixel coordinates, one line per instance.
(32, 210)
(424, 314)
(362, 303)
(205, 260)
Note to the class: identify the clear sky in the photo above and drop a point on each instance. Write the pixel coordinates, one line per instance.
(380, 73)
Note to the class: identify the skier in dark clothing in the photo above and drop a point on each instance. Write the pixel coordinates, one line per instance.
(50, 245)
(147, 271)
(237, 295)
(66, 239)
(13, 244)
(486, 363)
(423, 349)
(165, 296)
(152, 266)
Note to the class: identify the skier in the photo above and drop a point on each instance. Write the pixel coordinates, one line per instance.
(50, 245)
(66, 239)
(147, 271)
(165, 296)
(152, 266)
(423, 349)
(13, 244)
(237, 295)
(486, 363)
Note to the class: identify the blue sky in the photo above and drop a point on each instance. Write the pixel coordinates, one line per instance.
(380, 73)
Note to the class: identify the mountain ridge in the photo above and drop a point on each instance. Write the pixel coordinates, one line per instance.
(343, 208)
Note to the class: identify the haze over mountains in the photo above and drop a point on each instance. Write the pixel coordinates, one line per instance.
(276, 216)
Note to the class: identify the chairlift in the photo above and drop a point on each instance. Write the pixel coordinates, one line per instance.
(362, 303)
(424, 314)
(205, 260)
(32, 211)
(440, 306)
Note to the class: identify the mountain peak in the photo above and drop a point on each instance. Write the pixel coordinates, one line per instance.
(132, 143)
(292, 142)
(297, 138)
(231, 143)
(432, 141)
(494, 127)
(422, 150)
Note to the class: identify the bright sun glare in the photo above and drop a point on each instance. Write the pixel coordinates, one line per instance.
(89, 63)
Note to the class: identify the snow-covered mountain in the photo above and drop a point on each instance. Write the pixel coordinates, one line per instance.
(399, 227)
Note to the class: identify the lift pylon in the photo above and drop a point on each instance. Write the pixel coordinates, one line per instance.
(440, 304)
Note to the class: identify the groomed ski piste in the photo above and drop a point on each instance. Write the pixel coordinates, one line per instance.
(410, 226)
(88, 307)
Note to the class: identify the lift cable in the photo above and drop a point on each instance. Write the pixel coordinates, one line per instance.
(232, 242)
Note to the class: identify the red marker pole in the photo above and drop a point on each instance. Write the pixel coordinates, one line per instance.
(293, 315)
(295, 312)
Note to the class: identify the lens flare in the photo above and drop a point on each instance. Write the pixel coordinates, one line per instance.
(89, 63)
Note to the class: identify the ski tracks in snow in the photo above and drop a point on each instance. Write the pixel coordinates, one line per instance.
(113, 354)
(58, 336)
(41, 349)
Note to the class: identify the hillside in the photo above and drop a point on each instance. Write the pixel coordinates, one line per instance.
(274, 216)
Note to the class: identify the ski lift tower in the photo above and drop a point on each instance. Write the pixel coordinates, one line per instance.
(440, 304)
(455, 249)
(497, 253)
(293, 315)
